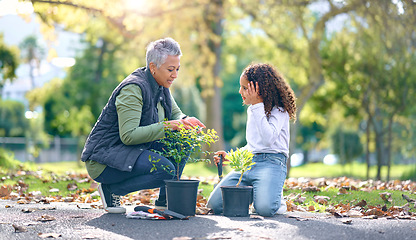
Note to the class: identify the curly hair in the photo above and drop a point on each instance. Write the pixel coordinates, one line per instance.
(273, 88)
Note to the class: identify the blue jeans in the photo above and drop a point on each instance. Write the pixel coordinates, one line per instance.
(267, 177)
(141, 177)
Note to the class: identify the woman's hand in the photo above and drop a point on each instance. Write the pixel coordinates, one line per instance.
(193, 121)
(253, 96)
(217, 156)
(176, 124)
(187, 123)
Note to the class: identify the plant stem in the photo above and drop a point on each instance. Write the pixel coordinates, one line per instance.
(239, 180)
(177, 170)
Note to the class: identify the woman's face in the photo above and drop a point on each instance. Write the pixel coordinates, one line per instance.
(167, 72)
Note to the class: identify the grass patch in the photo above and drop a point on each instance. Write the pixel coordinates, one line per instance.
(352, 198)
(355, 170)
(30, 177)
(61, 168)
(45, 176)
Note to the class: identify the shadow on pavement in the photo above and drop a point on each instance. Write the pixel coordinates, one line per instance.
(195, 227)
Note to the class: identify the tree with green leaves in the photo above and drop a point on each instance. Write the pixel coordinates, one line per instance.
(298, 30)
(32, 53)
(370, 65)
(12, 119)
(134, 26)
(9, 61)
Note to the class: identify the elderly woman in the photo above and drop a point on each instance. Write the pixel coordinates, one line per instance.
(119, 147)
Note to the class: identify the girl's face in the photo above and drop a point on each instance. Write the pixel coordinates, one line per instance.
(167, 72)
(244, 89)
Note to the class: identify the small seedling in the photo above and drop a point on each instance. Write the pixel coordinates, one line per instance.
(240, 160)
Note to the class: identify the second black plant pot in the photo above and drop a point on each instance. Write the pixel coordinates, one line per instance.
(182, 195)
(236, 200)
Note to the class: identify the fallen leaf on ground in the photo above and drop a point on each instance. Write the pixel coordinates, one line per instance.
(321, 199)
(19, 228)
(346, 221)
(256, 217)
(91, 236)
(343, 191)
(53, 190)
(362, 203)
(386, 196)
(72, 186)
(374, 211)
(28, 210)
(49, 235)
(311, 189)
(46, 218)
(408, 199)
(5, 190)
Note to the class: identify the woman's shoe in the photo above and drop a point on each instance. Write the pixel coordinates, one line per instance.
(111, 201)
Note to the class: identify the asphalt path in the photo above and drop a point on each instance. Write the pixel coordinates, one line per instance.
(79, 221)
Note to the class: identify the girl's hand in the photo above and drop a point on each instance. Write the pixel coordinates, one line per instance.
(217, 156)
(253, 96)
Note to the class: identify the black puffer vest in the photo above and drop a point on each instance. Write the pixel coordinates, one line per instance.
(104, 145)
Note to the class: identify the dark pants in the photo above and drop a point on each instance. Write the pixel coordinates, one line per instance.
(142, 176)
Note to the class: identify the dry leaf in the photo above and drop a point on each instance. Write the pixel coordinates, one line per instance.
(28, 210)
(323, 200)
(363, 203)
(346, 221)
(311, 208)
(375, 212)
(386, 196)
(46, 218)
(49, 235)
(354, 213)
(53, 190)
(202, 210)
(408, 199)
(91, 236)
(19, 228)
(311, 189)
(72, 186)
(23, 201)
(5, 190)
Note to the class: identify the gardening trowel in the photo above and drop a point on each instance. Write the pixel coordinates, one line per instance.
(166, 213)
(219, 167)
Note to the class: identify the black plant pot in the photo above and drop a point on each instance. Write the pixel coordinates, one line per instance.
(236, 200)
(181, 196)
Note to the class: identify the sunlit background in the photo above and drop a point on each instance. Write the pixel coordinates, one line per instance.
(350, 63)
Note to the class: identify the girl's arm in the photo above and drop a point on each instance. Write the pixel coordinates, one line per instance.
(269, 129)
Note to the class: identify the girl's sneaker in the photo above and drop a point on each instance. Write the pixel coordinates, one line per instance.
(283, 208)
(111, 201)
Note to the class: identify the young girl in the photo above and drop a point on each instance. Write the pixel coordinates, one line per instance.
(271, 105)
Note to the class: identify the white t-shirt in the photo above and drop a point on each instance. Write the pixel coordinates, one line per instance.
(267, 135)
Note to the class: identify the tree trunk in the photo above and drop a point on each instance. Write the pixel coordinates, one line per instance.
(389, 140)
(99, 70)
(367, 153)
(379, 152)
(214, 20)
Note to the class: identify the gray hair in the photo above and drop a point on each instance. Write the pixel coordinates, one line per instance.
(159, 50)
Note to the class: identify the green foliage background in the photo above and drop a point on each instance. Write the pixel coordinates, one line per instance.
(359, 79)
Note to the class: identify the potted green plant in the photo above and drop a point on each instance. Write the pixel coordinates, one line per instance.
(236, 199)
(184, 145)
